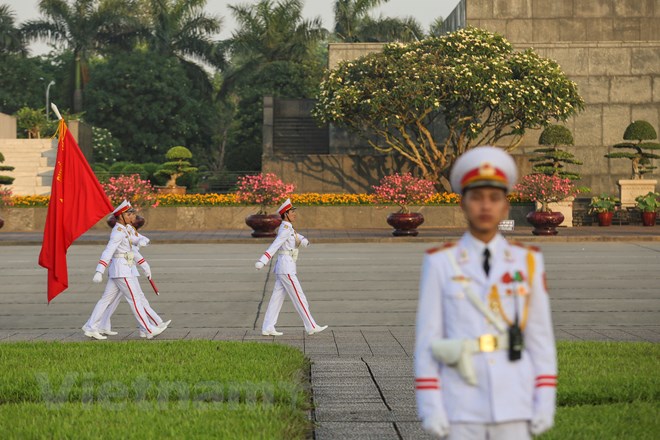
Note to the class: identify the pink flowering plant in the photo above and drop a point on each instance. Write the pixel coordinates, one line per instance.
(545, 189)
(132, 188)
(5, 197)
(263, 190)
(403, 190)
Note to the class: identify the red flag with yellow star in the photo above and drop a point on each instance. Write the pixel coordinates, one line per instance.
(77, 202)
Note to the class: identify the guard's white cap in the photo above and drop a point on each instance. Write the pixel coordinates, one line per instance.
(483, 166)
(286, 206)
(122, 208)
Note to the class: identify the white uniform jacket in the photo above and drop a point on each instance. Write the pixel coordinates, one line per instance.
(124, 240)
(506, 390)
(285, 245)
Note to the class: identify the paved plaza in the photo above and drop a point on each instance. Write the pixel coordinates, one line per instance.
(362, 378)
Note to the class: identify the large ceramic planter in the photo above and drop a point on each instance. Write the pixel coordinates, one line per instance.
(605, 218)
(263, 225)
(545, 223)
(648, 218)
(405, 224)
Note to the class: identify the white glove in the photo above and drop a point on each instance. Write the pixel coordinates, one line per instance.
(258, 265)
(146, 269)
(305, 243)
(436, 425)
(98, 277)
(541, 423)
(144, 241)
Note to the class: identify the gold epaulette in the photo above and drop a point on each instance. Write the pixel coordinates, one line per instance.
(440, 248)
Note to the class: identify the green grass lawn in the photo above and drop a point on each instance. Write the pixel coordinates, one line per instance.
(607, 391)
(177, 389)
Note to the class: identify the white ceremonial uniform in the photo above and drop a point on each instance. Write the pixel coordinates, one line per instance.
(506, 392)
(120, 257)
(286, 246)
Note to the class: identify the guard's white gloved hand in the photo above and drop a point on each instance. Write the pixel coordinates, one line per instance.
(144, 241)
(98, 277)
(146, 269)
(437, 425)
(258, 265)
(541, 423)
(305, 243)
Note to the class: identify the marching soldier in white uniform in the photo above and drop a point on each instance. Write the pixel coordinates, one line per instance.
(485, 360)
(119, 257)
(286, 246)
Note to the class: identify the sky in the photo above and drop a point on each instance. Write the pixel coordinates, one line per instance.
(425, 11)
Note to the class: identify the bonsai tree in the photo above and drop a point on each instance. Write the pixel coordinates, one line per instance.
(638, 131)
(5, 180)
(177, 165)
(552, 159)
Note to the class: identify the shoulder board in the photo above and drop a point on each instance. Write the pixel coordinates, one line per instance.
(522, 245)
(440, 248)
(286, 226)
(119, 228)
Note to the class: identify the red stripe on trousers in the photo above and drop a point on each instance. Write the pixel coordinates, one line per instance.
(546, 377)
(135, 305)
(427, 387)
(554, 385)
(152, 319)
(425, 379)
(301, 304)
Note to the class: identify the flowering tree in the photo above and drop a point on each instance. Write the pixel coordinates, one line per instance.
(137, 191)
(403, 189)
(5, 197)
(544, 189)
(263, 190)
(471, 79)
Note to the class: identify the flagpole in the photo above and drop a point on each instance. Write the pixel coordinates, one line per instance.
(57, 112)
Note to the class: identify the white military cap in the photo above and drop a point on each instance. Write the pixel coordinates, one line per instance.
(122, 208)
(285, 207)
(483, 166)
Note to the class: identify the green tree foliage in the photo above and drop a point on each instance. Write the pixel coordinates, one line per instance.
(177, 165)
(32, 123)
(353, 23)
(11, 40)
(471, 79)
(181, 28)
(552, 160)
(638, 131)
(85, 27)
(23, 82)
(5, 180)
(148, 103)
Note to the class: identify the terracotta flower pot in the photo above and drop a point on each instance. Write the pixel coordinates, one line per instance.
(263, 225)
(605, 218)
(648, 218)
(545, 223)
(405, 224)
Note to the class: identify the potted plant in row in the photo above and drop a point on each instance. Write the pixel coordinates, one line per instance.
(403, 190)
(264, 190)
(603, 205)
(545, 189)
(648, 204)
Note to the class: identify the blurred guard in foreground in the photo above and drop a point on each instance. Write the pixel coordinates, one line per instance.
(485, 360)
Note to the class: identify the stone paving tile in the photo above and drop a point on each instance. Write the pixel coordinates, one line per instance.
(55, 336)
(202, 333)
(589, 335)
(355, 431)
(412, 431)
(24, 336)
(6, 334)
(645, 334)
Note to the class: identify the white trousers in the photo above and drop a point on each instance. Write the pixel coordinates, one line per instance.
(287, 284)
(129, 288)
(493, 431)
(150, 313)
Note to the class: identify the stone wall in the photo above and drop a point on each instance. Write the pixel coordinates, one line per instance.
(7, 126)
(230, 217)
